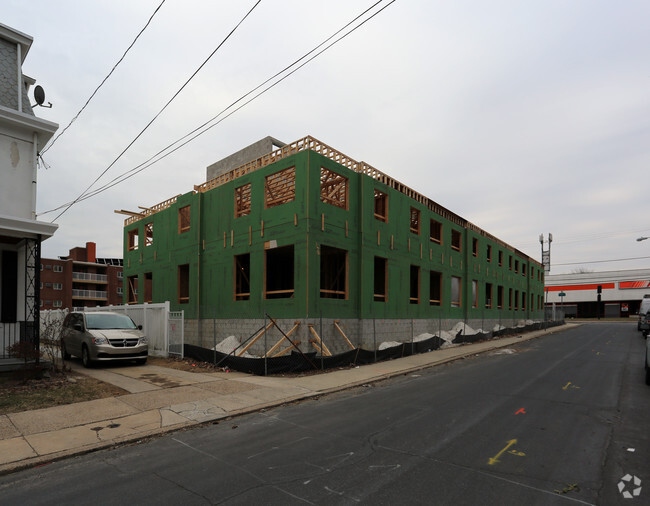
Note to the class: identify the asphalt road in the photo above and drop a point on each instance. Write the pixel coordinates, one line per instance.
(558, 420)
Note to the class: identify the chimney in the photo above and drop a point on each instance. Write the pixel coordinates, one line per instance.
(90, 252)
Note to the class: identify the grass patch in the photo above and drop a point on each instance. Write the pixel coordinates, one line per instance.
(17, 396)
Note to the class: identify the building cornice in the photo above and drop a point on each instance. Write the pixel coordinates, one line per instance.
(19, 120)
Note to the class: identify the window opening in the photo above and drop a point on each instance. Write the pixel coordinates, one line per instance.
(455, 291)
(183, 284)
(333, 188)
(516, 300)
(414, 285)
(381, 278)
(132, 293)
(488, 253)
(435, 231)
(148, 234)
(475, 247)
(280, 188)
(415, 220)
(381, 206)
(500, 258)
(474, 293)
(243, 200)
(242, 276)
(488, 295)
(500, 297)
(279, 273)
(132, 239)
(148, 287)
(455, 240)
(435, 288)
(333, 273)
(183, 219)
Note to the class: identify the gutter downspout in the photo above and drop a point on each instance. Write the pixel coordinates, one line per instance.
(34, 174)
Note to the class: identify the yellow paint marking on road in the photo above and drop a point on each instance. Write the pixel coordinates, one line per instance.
(566, 386)
(495, 459)
(517, 453)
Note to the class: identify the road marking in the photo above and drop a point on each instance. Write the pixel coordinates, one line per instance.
(567, 386)
(521, 411)
(495, 459)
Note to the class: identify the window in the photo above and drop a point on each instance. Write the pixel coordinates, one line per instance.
(488, 295)
(333, 188)
(523, 300)
(184, 219)
(435, 288)
(183, 287)
(516, 300)
(509, 262)
(8, 286)
(381, 278)
(243, 276)
(516, 266)
(58, 286)
(475, 247)
(474, 293)
(500, 258)
(414, 285)
(57, 268)
(499, 297)
(243, 200)
(523, 269)
(279, 273)
(415, 220)
(435, 231)
(48, 285)
(381, 206)
(132, 237)
(148, 234)
(455, 291)
(120, 275)
(510, 299)
(148, 287)
(119, 290)
(58, 303)
(455, 240)
(280, 188)
(333, 273)
(132, 293)
(488, 253)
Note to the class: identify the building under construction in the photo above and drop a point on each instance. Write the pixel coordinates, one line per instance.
(332, 249)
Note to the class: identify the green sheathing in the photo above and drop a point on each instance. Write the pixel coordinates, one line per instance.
(307, 223)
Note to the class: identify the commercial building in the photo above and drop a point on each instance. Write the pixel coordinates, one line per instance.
(80, 280)
(22, 136)
(577, 295)
(325, 244)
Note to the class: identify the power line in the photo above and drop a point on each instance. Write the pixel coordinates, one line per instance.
(163, 153)
(602, 261)
(102, 83)
(159, 112)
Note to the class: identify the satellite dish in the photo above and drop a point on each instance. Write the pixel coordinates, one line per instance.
(39, 95)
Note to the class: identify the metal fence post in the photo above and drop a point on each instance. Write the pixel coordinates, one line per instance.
(266, 369)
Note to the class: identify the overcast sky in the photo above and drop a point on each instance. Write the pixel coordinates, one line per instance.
(521, 117)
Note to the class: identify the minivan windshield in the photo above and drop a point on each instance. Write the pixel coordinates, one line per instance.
(109, 321)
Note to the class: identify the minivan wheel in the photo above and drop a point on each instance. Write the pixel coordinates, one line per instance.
(64, 351)
(141, 361)
(85, 357)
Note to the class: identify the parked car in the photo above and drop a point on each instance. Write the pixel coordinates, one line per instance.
(102, 336)
(647, 362)
(644, 318)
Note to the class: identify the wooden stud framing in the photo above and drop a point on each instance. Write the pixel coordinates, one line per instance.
(279, 343)
(254, 340)
(280, 187)
(333, 188)
(320, 346)
(243, 200)
(336, 324)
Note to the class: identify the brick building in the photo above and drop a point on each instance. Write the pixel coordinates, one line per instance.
(80, 280)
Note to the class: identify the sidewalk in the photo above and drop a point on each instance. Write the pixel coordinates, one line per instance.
(162, 400)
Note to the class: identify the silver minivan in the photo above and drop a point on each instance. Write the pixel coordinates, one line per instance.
(102, 336)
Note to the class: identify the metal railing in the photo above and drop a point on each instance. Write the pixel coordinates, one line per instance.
(85, 276)
(89, 294)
